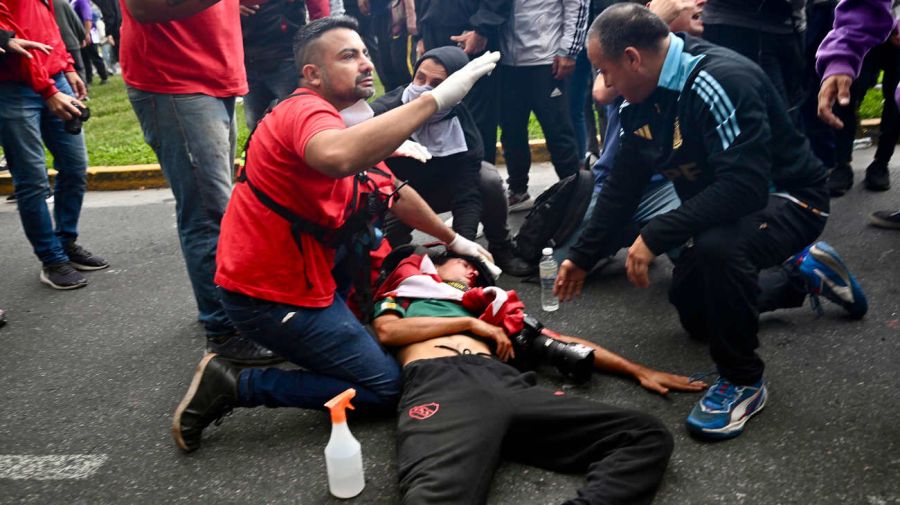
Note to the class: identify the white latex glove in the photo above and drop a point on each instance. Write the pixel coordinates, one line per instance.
(462, 245)
(412, 149)
(450, 92)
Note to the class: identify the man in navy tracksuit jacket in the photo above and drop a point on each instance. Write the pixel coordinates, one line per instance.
(753, 195)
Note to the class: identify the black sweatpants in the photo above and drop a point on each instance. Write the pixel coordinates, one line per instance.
(460, 415)
(719, 290)
(884, 57)
(483, 101)
(779, 55)
(92, 58)
(527, 89)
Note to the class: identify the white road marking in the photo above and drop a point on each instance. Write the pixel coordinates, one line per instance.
(56, 467)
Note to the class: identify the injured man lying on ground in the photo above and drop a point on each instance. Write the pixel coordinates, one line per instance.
(463, 408)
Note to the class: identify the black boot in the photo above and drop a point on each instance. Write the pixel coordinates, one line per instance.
(840, 180)
(506, 259)
(241, 350)
(211, 396)
(878, 178)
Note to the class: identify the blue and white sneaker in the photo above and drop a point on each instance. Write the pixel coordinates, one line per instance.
(725, 408)
(828, 276)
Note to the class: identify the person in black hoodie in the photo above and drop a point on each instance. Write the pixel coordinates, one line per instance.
(455, 178)
(473, 25)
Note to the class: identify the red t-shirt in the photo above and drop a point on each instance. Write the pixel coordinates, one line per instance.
(257, 254)
(202, 53)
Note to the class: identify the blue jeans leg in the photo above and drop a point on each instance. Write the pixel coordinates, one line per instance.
(659, 198)
(266, 86)
(194, 137)
(579, 88)
(25, 125)
(334, 349)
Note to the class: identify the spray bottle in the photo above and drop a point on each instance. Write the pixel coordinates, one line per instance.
(343, 456)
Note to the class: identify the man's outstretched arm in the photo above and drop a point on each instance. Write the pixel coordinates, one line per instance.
(654, 380)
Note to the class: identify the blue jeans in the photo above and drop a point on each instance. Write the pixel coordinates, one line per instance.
(26, 124)
(334, 349)
(193, 137)
(266, 87)
(659, 197)
(579, 88)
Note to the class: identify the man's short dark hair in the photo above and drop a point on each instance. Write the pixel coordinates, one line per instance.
(304, 40)
(627, 25)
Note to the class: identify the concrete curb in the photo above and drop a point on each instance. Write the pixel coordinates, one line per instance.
(150, 176)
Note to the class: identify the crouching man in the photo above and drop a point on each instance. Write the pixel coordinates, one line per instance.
(306, 205)
(463, 409)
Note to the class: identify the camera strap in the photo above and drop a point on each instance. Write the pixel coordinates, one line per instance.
(367, 206)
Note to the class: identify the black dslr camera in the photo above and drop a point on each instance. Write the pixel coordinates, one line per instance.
(534, 347)
(73, 125)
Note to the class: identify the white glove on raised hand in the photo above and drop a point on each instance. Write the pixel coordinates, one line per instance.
(450, 92)
(464, 246)
(414, 150)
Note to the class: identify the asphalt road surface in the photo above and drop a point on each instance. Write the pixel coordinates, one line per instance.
(90, 379)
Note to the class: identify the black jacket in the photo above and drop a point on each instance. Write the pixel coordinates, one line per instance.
(269, 34)
(717, 128)
(484, 16)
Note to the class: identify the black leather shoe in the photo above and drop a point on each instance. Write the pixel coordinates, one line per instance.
(211, 396)
(510, 263)
(2, 318)
(840, 180)
(240, 350)
(878, 178)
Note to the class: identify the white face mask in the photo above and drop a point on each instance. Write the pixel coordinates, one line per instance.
(357, 113)
(414, 91)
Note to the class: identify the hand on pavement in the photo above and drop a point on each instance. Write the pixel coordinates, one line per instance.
(834, 87)
(662, 382)
(569, 281)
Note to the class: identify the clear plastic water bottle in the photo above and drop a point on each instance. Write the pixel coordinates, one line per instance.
(548, 269)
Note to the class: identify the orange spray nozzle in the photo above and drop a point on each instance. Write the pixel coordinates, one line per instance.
(339, 405)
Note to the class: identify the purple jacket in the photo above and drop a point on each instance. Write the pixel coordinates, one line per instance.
(83, 9)
(859, 25)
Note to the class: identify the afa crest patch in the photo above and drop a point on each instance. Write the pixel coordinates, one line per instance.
(422, 412)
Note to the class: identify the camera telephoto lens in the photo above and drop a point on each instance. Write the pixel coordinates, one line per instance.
(533, 348)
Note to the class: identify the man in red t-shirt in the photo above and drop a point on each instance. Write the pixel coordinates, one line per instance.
(39, 94)
(183, 65)
(277, 280)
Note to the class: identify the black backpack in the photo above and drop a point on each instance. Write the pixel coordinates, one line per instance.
(556, 214)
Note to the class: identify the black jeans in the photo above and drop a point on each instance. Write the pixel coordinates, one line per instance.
(779, 55)
(91, 55)
(884, 57)
(459, 415)
(719, 290)
(527, 89)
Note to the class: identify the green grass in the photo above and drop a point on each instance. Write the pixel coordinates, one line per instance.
(114, 137)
